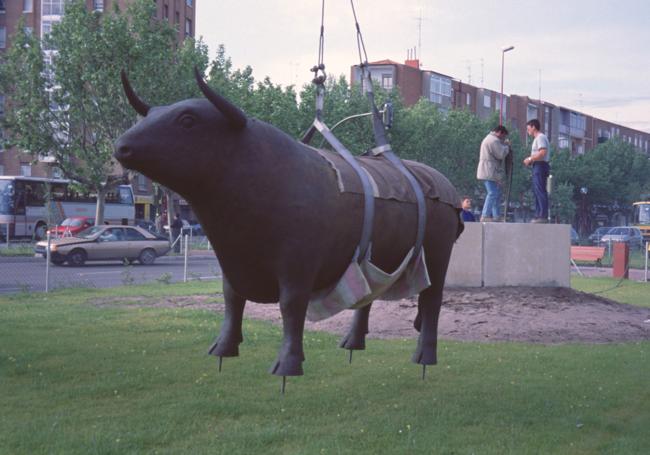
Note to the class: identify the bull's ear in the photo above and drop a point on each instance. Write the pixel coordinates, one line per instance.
(235, 116)
(140, 106)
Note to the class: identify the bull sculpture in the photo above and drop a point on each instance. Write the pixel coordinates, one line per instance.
(280, 226)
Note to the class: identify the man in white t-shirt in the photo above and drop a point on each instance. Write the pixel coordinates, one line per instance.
(539, 159)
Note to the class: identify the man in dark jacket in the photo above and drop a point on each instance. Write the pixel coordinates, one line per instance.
(176, 227)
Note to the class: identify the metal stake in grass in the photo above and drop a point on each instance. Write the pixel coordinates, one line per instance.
(350, 359)
(424, 371)
(220, 362)
(284, 384)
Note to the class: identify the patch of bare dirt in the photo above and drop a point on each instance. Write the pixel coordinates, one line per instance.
(536, 315)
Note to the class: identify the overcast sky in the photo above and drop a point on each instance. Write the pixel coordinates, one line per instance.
(594, 55)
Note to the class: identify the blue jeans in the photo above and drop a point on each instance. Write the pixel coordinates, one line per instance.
(492, 205)
(541, 170)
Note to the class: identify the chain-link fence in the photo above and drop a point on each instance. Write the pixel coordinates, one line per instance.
(23, 270)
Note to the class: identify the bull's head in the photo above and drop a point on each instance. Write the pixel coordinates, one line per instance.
(174, 144)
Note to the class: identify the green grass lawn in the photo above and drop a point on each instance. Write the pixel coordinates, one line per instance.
(76, 378)
(625, 291)
(17, 249)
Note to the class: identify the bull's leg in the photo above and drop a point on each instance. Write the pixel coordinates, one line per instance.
(293, 306)
(227, 343)
(429, 303)
(356, 337)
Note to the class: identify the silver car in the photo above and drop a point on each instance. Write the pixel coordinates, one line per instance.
(107, 242)
(630, 235)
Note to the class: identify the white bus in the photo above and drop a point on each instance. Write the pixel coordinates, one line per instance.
(28, 205)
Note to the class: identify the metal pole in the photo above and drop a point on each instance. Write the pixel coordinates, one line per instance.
(503, 54)
(185, 262)
(47, 262)
(647, 251)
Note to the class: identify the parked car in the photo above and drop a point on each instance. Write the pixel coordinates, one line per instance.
(595, 236)
(575, 238)
(147, 225)
(630, 235)
(72, 226)
(186, 227)
(196, 228)
(106, 242)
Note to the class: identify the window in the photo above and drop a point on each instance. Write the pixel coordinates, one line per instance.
(142, 182)
(547, 118)
(469, 99)
(189, 3)
(531, 112)
(2, 7)
(165, 12)
(563, 141)
(487, 101)
(3, 37)
(98, 5)
(28, 6)
(505, 105)
(177, 18)
(188, 27)
(439, 86)
(53, 7)
(26, 170)
(577, 121)
(387, 81)
(133, 235)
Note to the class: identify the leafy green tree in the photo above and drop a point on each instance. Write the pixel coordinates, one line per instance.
(611, 176)
(73, 107)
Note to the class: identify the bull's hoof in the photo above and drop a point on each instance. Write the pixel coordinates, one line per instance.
(288, 365)
(425, 355)
(353, 341)
(223, 348)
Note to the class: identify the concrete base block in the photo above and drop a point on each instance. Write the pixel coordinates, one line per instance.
(466, 263)
(511, 254)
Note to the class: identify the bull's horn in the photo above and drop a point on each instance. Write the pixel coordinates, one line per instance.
(140, 106)
(234, 115)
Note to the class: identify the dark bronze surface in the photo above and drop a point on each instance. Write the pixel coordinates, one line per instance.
(278, 223)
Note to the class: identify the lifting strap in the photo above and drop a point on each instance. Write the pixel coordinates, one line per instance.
(382, 147)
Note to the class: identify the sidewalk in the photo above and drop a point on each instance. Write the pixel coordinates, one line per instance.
(634, 274)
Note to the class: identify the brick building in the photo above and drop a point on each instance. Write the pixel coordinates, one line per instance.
(39, 16)
(565, 127)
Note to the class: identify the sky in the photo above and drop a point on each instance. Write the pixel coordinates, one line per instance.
(592, 56)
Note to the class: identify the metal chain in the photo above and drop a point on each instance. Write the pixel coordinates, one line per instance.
(319, 79)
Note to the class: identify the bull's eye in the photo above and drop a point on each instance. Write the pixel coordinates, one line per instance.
(187, 121)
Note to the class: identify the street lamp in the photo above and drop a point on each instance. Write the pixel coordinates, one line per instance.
(503, 53)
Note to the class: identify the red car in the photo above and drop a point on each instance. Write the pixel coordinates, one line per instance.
(70, 226)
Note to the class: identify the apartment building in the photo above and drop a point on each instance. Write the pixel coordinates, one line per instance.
(39, 17)
(565, 127)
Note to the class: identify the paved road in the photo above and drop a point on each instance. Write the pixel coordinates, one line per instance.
(22, 274)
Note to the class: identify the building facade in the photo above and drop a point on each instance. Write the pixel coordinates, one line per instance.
(39, 17)
(565, 127)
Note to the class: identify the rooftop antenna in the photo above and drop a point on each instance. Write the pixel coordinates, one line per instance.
(420, 19)
(469, 71)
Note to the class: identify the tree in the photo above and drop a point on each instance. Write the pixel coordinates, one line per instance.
(73, 108)
(613, 175)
